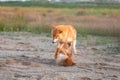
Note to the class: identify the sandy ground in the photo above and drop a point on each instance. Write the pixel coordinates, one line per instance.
(32, 58)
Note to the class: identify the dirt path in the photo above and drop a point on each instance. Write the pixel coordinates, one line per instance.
(32, 58)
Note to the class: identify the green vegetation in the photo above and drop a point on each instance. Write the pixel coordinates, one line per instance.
(98, 31)
(61, 5)
(103, 22)
(88, 18)
(37, 30)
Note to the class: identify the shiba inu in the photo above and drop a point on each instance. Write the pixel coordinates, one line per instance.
(65, 35)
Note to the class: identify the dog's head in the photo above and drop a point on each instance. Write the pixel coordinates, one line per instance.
(57, 34)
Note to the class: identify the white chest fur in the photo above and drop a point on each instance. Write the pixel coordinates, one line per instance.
(69, 39)
(60, 58)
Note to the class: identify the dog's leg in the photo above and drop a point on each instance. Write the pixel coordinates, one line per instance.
(63, 51)
(74, 47)
(58, 49)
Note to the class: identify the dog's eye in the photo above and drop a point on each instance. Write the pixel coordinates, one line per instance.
(60, 31)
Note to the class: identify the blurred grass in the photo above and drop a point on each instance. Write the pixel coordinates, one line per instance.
(61, 5)
(65, 11)
(98, 31)
(88, 21)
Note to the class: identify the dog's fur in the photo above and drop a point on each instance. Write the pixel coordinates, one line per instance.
(66, 57)
(65, 35)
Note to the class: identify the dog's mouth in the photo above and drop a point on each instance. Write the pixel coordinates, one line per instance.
(57, 41)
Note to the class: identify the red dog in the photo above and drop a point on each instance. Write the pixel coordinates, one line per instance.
(65, 35)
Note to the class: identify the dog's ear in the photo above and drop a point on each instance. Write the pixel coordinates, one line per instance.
(53, 26)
